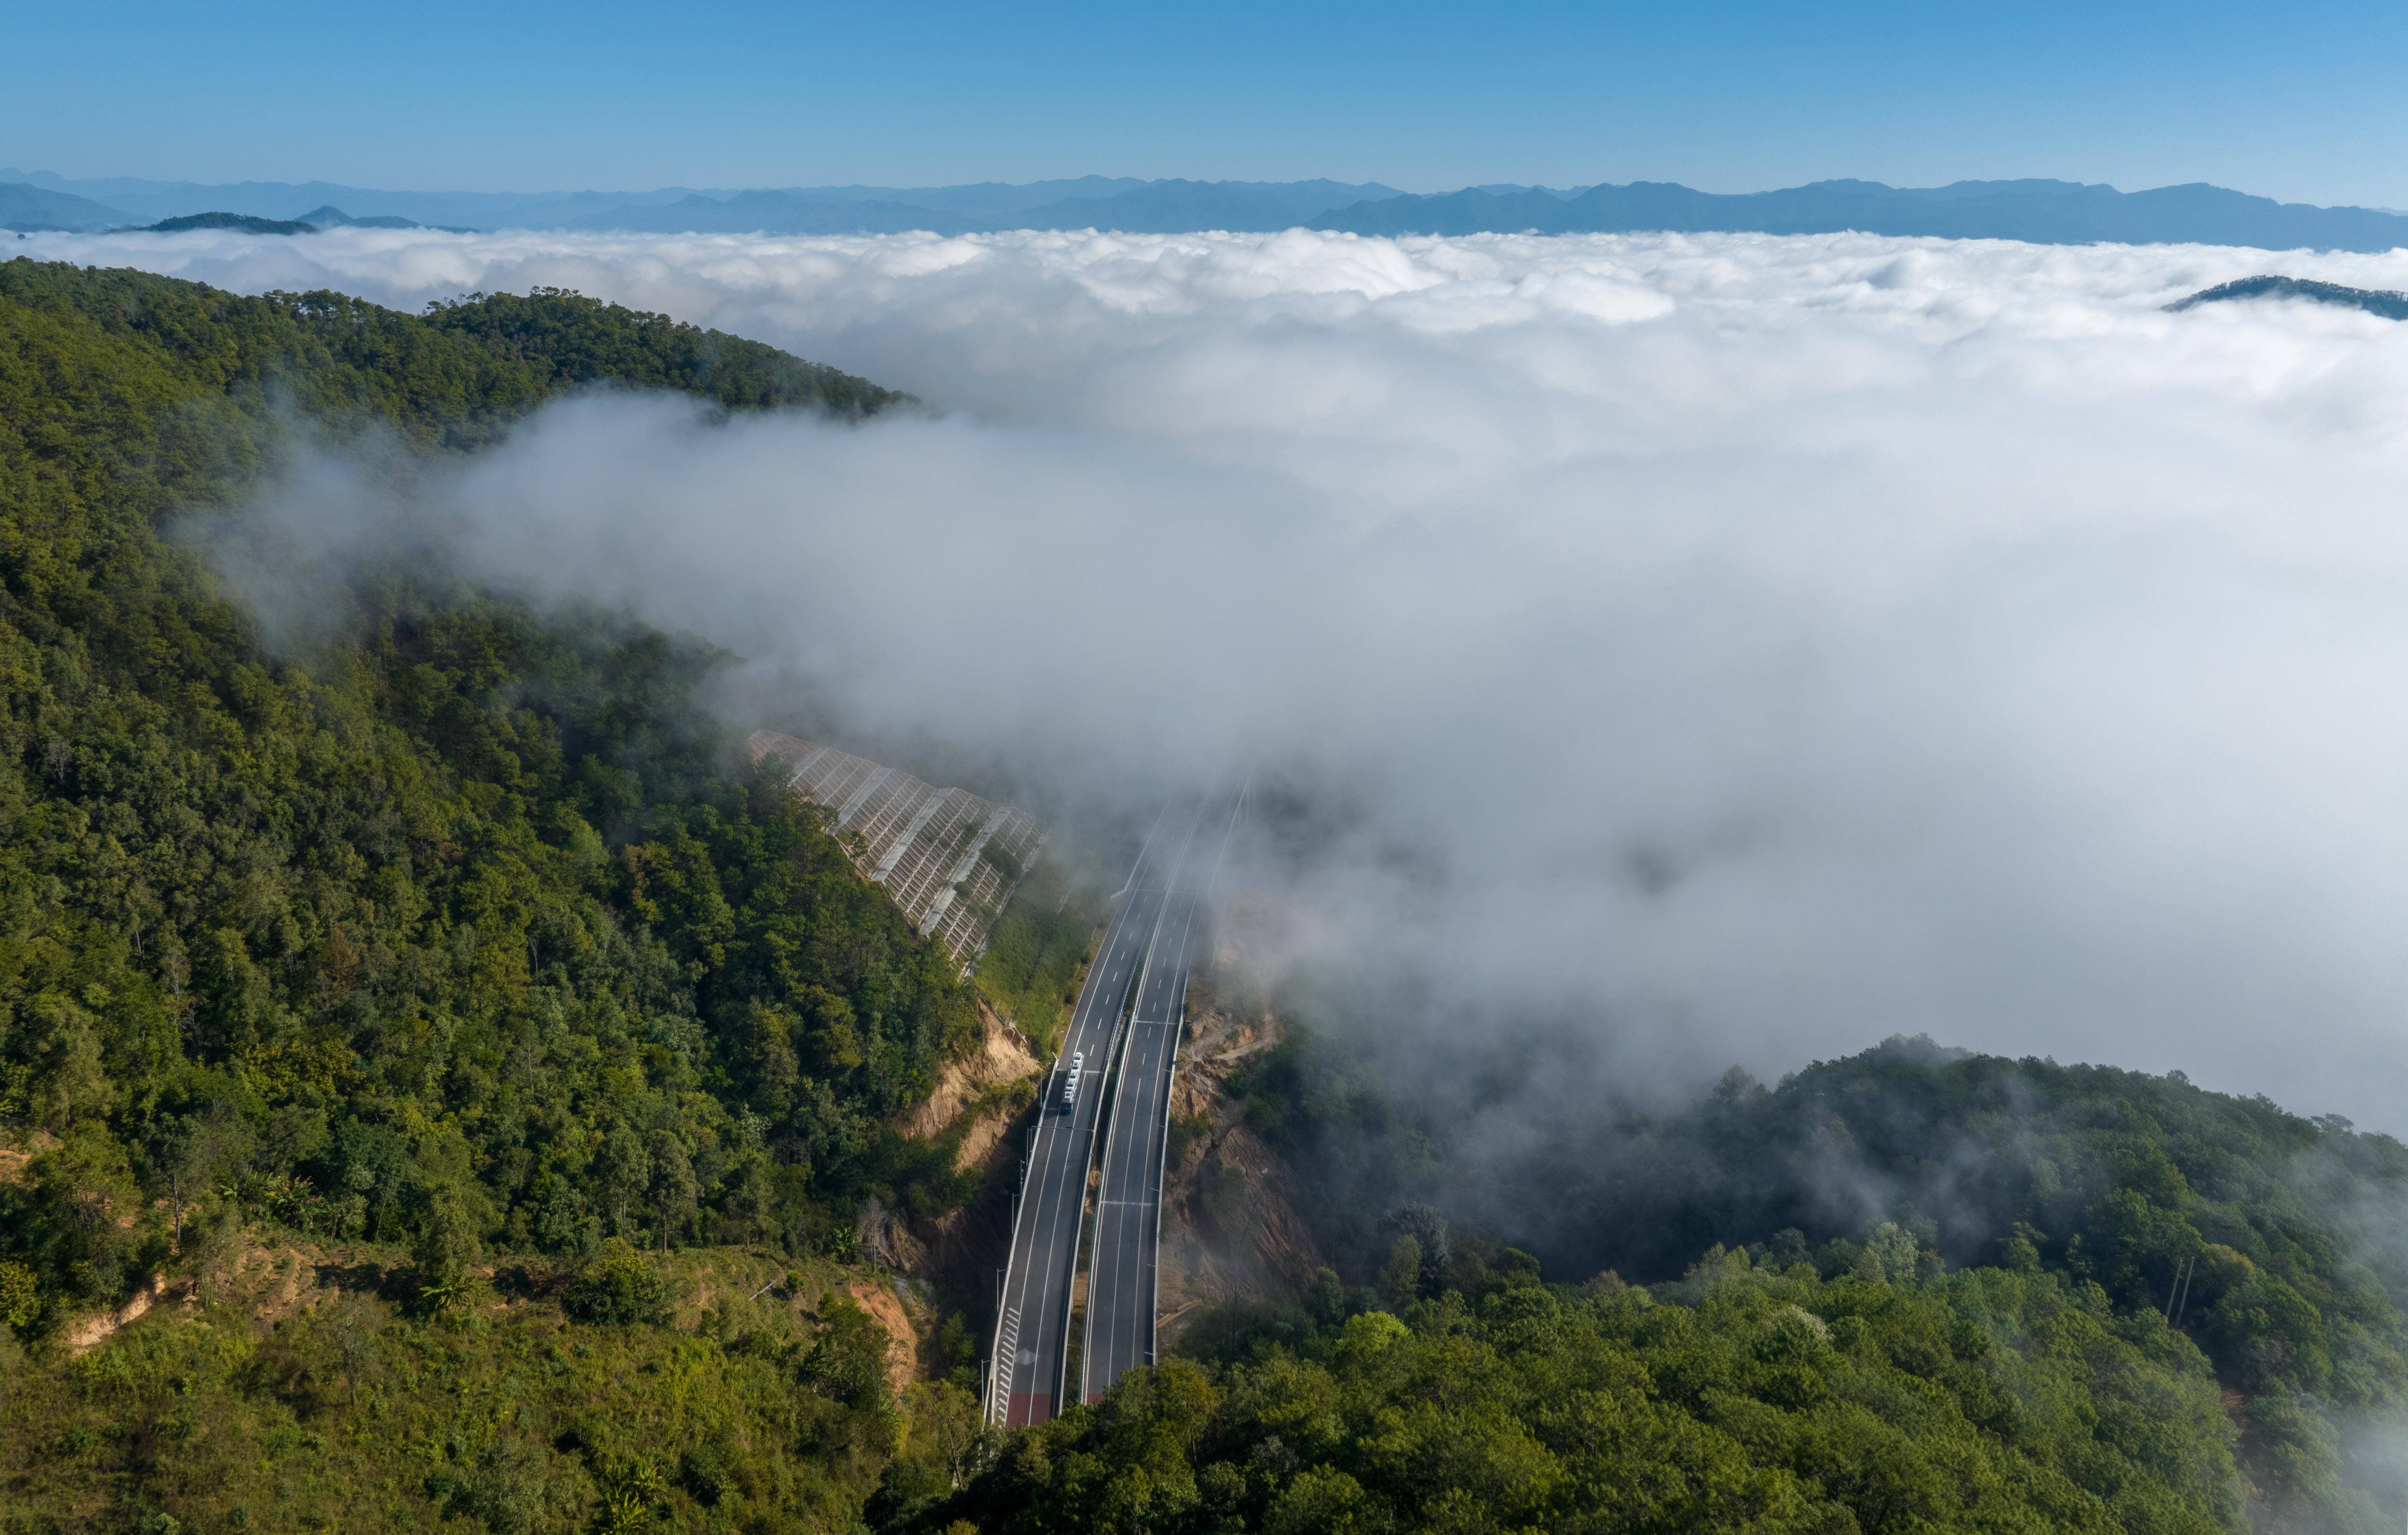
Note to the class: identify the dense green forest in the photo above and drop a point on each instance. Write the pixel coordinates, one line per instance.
(456, 933)
(1470, 1396)
(2276, 1244)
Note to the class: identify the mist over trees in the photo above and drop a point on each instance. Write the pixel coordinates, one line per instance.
(2276, 1244)
(443, 927)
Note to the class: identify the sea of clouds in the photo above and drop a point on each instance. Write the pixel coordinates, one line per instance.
(1745, 648)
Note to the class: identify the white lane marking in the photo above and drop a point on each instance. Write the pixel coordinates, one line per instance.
(1044, 1233)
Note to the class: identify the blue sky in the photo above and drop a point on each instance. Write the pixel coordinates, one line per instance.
(2305, 102)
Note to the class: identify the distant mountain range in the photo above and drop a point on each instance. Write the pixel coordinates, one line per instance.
(2039, 211)
(2042, 212)
(1148, 207)
(26, 206)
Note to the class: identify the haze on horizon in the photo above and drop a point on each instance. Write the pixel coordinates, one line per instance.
(1738, 98)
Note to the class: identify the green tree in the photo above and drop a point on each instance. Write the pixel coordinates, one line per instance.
(1401, 1279)
(446, 1243)
(617, 1286)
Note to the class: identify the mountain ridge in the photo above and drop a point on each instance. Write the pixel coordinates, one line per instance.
(2038, 210)
(23, 207)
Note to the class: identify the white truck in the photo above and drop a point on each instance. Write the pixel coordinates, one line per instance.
(1068, 1097)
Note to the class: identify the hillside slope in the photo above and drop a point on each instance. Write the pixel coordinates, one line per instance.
(457, 931)
(367, 1012)
(1744, 1399)
(292, 1384)
(2276, 1244)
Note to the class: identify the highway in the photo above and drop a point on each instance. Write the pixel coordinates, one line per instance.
(1123, 1272)
(1031, 1352)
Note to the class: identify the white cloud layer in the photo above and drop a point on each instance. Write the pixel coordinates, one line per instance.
(1757, 645)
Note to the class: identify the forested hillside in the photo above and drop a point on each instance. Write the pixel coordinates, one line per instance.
(2276, 1244)
(1746, 1399)
(694, 1391)
(456, 933)
(449, 941)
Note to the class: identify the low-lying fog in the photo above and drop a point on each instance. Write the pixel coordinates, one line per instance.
(1756, 646)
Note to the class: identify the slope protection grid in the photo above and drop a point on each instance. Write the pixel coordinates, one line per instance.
(948, 858)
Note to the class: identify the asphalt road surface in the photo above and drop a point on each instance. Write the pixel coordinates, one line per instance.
(1123, 1272)
(1032, 1331)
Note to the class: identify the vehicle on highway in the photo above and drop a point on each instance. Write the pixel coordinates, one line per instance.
(1069, 1094)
